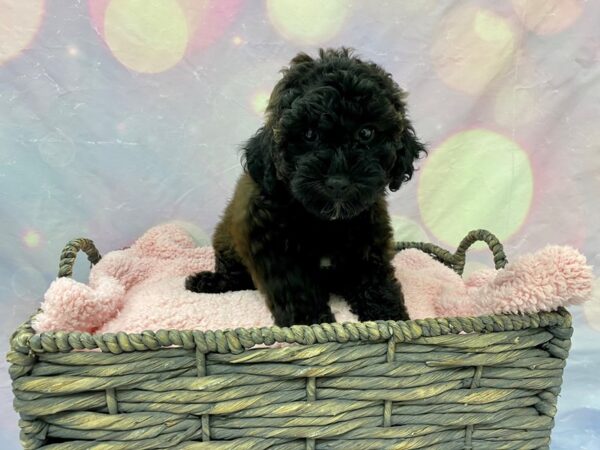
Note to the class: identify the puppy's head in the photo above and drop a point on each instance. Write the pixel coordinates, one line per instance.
(336, 135)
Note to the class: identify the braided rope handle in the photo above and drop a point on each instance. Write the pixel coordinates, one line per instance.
(457, 260)
(69, 253)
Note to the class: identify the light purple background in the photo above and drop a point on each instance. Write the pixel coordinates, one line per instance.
(92, 146)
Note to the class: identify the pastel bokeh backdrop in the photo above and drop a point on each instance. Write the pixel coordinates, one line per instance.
(117, 115)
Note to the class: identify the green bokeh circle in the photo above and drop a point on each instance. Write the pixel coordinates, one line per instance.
(475, 179)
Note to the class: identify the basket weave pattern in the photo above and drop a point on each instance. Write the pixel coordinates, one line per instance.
(373, 385)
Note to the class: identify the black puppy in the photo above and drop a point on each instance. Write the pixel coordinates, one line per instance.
(309, 216)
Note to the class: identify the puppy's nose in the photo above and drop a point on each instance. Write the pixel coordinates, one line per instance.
(337, 185)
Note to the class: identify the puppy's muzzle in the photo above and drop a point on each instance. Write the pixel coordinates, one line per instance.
(337, 186)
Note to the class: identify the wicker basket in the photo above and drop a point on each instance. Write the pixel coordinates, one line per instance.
(374, 385)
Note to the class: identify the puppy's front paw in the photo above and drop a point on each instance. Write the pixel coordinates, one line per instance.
(209, 282)
(285, 319)
(381, 301)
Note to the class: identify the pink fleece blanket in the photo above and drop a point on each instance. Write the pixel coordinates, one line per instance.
(142, 288)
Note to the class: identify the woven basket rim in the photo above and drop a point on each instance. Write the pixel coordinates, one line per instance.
(26, 340)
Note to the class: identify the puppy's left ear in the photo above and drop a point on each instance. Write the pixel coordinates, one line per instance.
(409, 150)
(258, 159)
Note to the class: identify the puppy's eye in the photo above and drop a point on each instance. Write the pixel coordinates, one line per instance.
(366, 134)
(310, 135)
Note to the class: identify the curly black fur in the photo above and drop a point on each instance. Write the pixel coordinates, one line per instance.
(309, 217)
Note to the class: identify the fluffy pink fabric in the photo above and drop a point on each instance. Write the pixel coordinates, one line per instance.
(142, 288)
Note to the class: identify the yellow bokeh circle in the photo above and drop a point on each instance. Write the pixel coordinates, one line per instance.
(147, 36)
(19, 23)
(475, 179)
(471, 47)
(309, 22)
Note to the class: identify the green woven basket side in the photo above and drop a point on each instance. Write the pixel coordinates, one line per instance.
(490, 391)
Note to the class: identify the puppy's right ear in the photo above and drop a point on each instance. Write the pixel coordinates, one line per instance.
(261, 159)
(301, 58)
(258, 159)
(287, 89)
